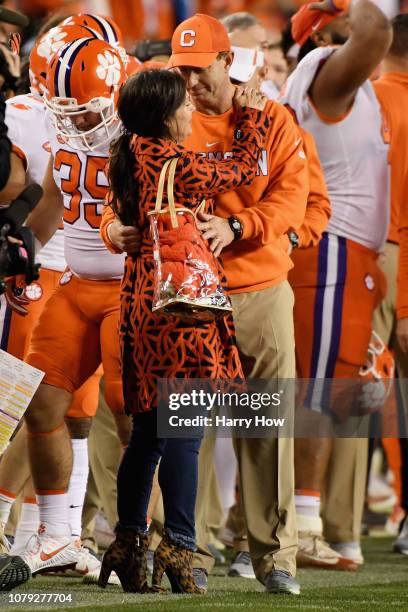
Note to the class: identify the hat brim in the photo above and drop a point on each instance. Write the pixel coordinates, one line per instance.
(195, 60)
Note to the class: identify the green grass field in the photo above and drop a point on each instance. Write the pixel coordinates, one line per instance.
(381, 584)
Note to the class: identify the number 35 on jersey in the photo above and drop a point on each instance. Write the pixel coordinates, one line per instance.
(84, 185)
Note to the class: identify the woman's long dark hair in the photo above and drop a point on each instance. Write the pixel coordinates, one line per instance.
(146, 102)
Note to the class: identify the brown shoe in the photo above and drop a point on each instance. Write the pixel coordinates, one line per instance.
(127, 557)
(177, 563)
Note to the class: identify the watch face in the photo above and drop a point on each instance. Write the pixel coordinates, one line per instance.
(236, 226)
(294, 239)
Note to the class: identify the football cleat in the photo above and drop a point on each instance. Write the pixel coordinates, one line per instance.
(86, 562)
(313, 551)
(13, 572)
(44, 553)
(93, 577)
(349, 550)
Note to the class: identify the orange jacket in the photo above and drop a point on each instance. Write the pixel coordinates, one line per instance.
(392, 92)
(268, 208)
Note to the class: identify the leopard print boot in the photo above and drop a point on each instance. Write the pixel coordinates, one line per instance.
(127, 557)
(177, 563)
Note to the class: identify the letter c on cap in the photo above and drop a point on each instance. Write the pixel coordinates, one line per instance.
(185, 34)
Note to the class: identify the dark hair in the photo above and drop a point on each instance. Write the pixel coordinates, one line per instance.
(287, 40)
(399, 45)
(306, 48)
(239, 21)
(146, 102)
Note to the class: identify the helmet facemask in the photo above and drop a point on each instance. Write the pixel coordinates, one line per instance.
(64, 109)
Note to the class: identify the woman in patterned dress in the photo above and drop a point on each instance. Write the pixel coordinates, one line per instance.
(156, 116)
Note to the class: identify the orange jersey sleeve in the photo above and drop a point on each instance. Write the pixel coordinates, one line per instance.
(392, 92)
(402, 279)
(108, 216)
(318, 209)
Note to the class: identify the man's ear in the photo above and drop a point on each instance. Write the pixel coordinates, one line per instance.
(322, 39)
(263, 72)
(228, 58)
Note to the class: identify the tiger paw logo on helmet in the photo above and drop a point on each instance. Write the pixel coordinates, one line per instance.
(109, 69)
(51, 44)
(378, 371)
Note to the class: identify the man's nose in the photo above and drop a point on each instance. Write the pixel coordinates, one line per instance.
(78, 120)
(191, 79)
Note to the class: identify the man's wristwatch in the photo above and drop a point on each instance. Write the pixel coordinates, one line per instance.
(236, 227)
(293, 239)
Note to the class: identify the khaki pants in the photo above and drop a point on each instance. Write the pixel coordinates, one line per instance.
(343, 498)
(104, 457)
(384, 316)
(265, 337)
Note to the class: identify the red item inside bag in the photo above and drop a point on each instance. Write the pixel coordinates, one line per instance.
(187, 280)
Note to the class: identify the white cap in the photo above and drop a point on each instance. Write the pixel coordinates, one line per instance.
(245, 62)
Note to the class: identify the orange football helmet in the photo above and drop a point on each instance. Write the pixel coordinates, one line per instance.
(49, 43)
(378, 372)
(105, 26)
(85, 76)
(133, 65)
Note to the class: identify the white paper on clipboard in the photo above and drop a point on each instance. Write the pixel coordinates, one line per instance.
(18, 383)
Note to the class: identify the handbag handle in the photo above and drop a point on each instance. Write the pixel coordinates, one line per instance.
(170, 167)
(160, 187)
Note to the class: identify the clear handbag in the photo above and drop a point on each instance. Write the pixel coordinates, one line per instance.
(186, 274)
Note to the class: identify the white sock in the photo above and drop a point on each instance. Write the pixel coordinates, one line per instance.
(307, 503)
(28, 524)
(77, 484)
(7, 499)
(53, 510)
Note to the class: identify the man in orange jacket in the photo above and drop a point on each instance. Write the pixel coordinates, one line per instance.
(249, 37)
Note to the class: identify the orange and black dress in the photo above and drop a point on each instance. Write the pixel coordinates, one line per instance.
(153, 346)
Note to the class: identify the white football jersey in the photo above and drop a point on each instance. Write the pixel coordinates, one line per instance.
(25, 116)
(353, 153)
(81, 177)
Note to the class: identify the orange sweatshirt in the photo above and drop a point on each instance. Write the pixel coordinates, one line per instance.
(268, 208)
(318, 209)
(273, 204)
(392, 92)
